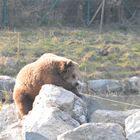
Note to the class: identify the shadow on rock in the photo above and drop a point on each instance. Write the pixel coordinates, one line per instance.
(34, 136)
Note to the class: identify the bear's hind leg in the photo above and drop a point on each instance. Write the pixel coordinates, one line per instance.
(23, 103)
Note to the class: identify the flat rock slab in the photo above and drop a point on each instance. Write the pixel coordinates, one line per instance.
(111, 116)
(105, 85)
(94, 131)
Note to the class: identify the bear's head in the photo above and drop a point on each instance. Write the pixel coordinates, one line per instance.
(70, 72)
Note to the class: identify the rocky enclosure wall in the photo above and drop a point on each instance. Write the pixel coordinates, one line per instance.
(58, 114)
(66, 12)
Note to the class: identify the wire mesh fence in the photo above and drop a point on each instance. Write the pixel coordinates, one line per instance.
(66, 12)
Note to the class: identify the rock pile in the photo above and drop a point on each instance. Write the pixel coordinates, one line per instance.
(55, 111)
(60, 114)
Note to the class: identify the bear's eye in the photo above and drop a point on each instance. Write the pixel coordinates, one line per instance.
(73, 76)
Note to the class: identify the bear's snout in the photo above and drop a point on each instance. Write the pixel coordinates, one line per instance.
(76, 84)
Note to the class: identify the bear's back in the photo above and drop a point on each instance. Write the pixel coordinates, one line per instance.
(49, 57)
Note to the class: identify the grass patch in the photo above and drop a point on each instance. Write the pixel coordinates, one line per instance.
(84, 46)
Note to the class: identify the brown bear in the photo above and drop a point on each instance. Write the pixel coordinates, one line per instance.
(48, 69)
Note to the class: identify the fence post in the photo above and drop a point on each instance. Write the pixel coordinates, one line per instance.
(88, 11)
(102, 16)
(18, 45)
(5, 12)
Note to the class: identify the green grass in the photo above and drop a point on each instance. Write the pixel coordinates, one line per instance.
(82, 45)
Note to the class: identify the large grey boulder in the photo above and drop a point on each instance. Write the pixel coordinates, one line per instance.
(132, 85)
(6, 83)
(94, 131)
(12, 132)
(110, 116)
(6, 87)
(10, 126)
(105, 85)
(54, 96)
(47, 123)
(8, 116)
(132, 126)
(55, 111)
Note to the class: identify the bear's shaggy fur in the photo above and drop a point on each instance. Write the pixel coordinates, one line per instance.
(48, 69)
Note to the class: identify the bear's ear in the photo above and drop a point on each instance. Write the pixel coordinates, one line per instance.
(69, 64)
(65, 65)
